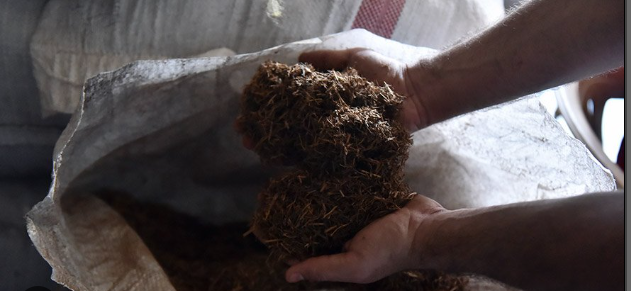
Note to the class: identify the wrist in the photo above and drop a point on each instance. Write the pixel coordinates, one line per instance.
(424, 86)
(426, 251)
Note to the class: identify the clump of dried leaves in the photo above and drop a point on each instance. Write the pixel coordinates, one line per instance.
(327, 123)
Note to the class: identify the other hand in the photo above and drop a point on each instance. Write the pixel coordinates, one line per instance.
(391, 244)
(376, 68)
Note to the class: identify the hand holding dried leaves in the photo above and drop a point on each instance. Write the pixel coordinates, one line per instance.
(341, 133)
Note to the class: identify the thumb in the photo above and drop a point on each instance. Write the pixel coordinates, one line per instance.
(424, 205)
(343, 267)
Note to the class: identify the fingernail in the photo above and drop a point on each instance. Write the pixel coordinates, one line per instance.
(295, 277)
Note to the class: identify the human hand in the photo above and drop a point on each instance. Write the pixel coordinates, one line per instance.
(391, 244)
(376, 68)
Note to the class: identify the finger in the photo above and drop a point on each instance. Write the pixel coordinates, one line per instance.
(368, 63)
(329, 59)
(378, 68)
(344, 267)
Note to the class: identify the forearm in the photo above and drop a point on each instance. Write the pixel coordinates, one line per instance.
(563, 244)
(543, 44)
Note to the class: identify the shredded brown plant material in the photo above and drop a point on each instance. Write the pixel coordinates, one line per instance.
(198, 256)
(324, 122)
(341, 134)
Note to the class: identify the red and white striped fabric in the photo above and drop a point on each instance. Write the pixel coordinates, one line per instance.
(379, 16)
